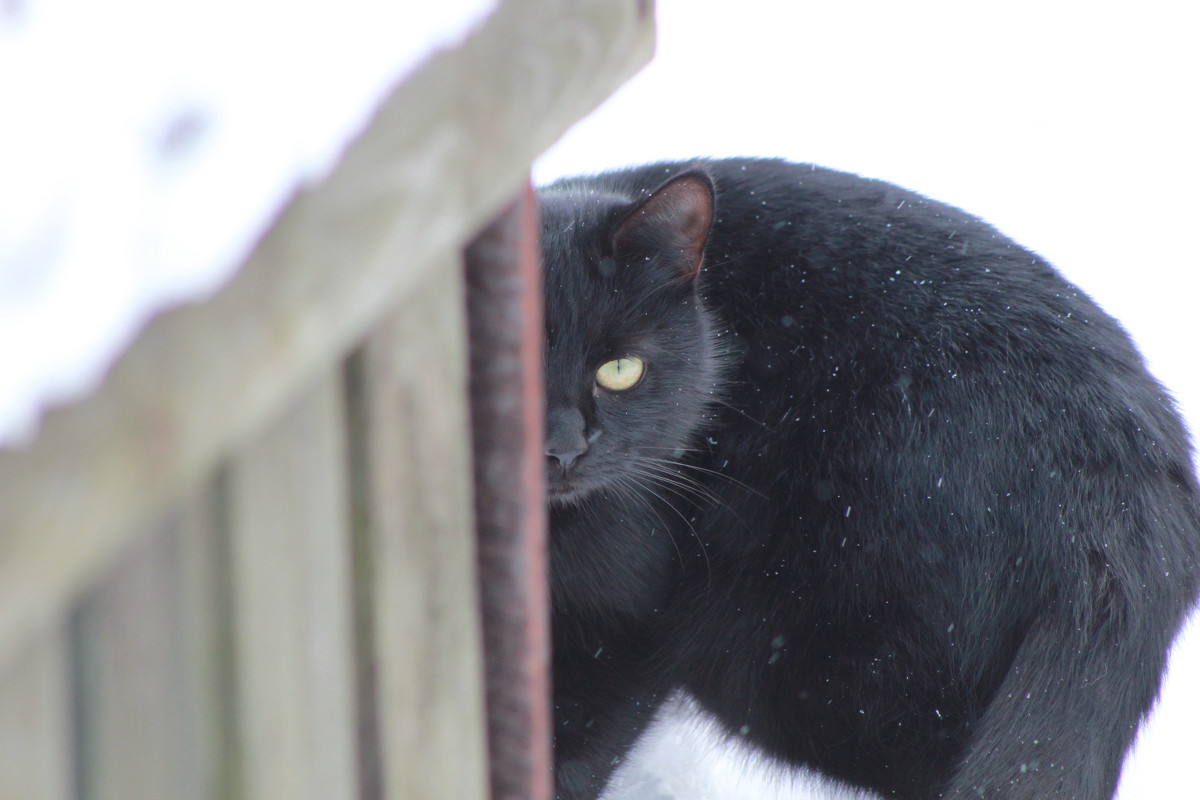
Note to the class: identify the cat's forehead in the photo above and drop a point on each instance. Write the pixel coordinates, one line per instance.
(578, 218)
(579, 306)
(576, 239)
(597, 299)
(586, 299)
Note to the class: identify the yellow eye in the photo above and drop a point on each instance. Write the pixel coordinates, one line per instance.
(620, 374)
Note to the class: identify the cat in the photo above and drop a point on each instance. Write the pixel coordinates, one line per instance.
(876, 486)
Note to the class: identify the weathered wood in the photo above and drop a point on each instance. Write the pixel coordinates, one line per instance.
(504, 301)
(370, 755)
(204, 703)
(35, 707)
(449, 146)
(292, 605)
(146, 669)
(426, 631)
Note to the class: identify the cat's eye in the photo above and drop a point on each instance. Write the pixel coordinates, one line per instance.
(620, 374)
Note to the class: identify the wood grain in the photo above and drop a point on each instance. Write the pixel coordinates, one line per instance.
(146, 670)
(292, 604)
(36, 754)
(422, 549)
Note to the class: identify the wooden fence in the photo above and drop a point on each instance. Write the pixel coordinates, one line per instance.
(245, 568)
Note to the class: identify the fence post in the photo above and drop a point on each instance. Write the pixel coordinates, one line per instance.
(504, 309)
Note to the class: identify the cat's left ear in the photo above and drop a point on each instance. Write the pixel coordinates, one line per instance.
(675, 218)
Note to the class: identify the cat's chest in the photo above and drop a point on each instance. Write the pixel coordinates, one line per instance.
(615, 553)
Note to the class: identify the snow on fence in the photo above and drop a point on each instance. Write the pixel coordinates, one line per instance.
(245, 566)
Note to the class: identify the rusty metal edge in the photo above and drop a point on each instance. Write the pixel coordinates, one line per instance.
(504, 309)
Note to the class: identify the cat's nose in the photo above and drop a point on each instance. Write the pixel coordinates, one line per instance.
(565, 440)
(565, 457)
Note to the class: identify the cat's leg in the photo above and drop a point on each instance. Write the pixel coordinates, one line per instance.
(603, 699)
(1067, 709)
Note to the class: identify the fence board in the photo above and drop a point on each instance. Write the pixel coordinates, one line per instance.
(292, 595)
(123, 650)
(204, 625)
(426, 632)
(146, 668)
(35, 739)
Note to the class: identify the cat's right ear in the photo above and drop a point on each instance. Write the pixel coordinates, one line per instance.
(676, 218)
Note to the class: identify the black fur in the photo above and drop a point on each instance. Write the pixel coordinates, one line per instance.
(893, 500)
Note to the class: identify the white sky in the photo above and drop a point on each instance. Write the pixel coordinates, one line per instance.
(1071, 126)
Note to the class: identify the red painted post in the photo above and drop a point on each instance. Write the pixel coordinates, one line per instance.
(504, 310)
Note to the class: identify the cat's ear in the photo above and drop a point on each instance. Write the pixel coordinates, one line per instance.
(676, 217)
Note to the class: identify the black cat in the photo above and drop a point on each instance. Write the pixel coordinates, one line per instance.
(877, 486)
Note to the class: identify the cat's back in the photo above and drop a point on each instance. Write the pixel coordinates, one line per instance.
(826, 276)
(856, 261)
(882, 341)
(832, 244)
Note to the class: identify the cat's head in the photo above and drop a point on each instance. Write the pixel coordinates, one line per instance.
(631, 366)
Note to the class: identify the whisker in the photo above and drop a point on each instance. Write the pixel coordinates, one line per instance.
(703, 491)
(722, 475)
(684, 465)
(680, 484)
(718, 401)
(686, 521)
(631, 490)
